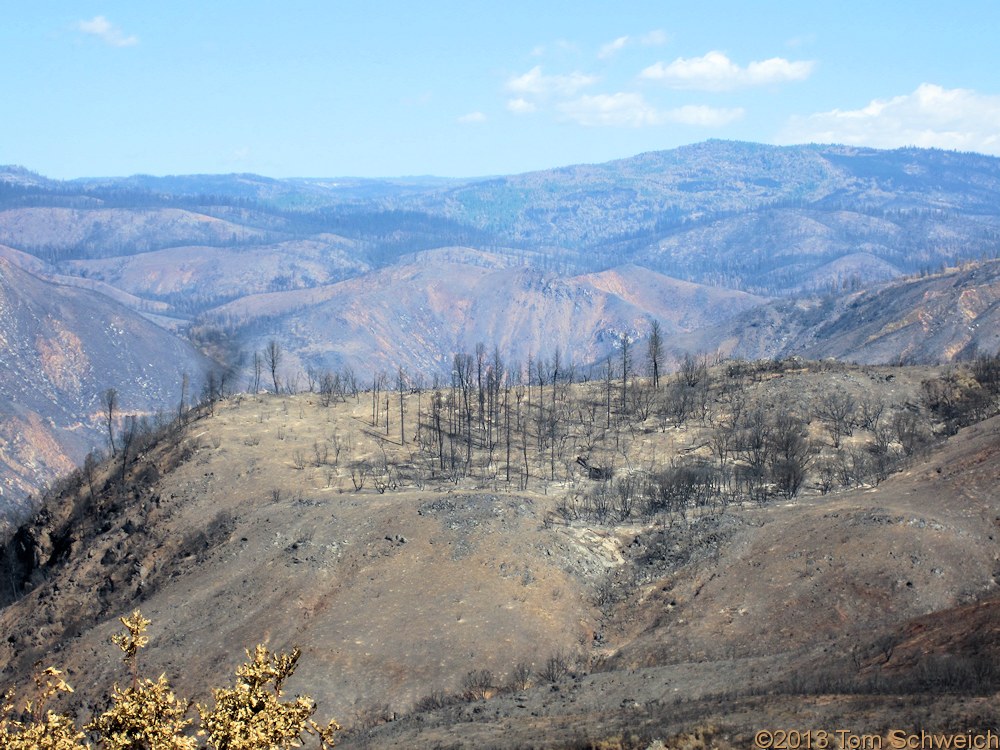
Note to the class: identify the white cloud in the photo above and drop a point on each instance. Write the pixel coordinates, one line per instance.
(716, 72)
(612, 48)
(535, 83)
(520, 106)
(625, 109)
(930, 117)
(107, 32)
(654, 38)
(472, 117)
(621, 109)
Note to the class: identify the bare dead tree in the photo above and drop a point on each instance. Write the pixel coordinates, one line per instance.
(109, 399)
(554, 417)
(655, 351)
(350, 382)
(626, 368)
(313, 377)
(258, 370)
(128, 436)
(872, 409)
(478, 684)
(506, 411)
(329, 387)
(693, 370)
(480, 394)
(272, 358)
(790, 455)
(462, 366)
(609, 373)
(909, 433)
(182, 407)
(520, 677)
(401, 389)
(836, 410)
(210, 393)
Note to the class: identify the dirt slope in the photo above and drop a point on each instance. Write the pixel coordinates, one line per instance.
(63, 347)
(390, 595)
(825, 567)
(784, 604)
(243, 530)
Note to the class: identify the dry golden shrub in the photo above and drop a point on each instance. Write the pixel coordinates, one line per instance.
(251, 715)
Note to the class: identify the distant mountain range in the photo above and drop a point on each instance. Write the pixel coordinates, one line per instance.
(733, 247)
(765, 219)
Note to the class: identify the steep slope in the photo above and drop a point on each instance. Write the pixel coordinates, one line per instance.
(949, 316)
(47, 272)
(820, 248)
(63, 347)
(942, 317)
(417, 314)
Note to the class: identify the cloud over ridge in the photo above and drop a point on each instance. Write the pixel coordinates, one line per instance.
(714, 71)
(627, 109)
(930, 117)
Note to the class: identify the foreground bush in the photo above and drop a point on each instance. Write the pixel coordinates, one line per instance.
(147, 715)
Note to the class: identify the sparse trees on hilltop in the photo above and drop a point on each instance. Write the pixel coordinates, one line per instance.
(273, 357)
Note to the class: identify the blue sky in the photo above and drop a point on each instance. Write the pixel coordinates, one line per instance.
(334, 88)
